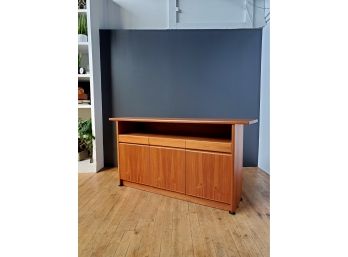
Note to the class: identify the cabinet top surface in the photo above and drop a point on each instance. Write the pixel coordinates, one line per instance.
(187, 120)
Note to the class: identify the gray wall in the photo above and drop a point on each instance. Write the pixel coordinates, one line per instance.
(181, 73)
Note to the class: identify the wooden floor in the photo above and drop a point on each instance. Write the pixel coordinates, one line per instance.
(121, 221)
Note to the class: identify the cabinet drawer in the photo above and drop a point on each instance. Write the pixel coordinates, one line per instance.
(133, 139)
(214, 146)
(167, 141)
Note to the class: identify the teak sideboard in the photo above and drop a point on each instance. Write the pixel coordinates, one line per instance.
(197, 160)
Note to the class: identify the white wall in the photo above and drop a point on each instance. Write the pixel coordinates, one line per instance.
(155, 14)
(259, 12)
(213, 14)
(264, 132)
(96, 16)
(136, 14)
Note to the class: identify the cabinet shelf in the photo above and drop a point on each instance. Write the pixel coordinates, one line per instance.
(84, 77)
(86, 166)
(172, 136)
(84, 106)
(83, 47)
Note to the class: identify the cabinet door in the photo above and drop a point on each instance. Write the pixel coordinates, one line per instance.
(210, 14)
(208, 175)
(168, 168)
(134, 163)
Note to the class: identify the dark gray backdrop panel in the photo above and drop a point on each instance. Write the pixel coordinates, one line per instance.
(181, 73)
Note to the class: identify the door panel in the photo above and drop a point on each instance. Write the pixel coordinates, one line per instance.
(209, 175)
(210, 12)
(168, 168)
(134, 163)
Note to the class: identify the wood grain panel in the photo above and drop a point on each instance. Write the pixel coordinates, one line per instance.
(187, 120)
(117, 144)
(237, 177)
(167, 141)
(134, 139)
(189, 198)
(168, 168)
(209, 175)
(135, 163)
(210, 145)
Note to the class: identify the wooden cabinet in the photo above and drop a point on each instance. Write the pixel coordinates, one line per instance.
(208, 175)
(190, 159)
(134, 163)
(168, 168)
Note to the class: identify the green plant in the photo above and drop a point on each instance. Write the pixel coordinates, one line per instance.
(82, 24)
(79, 60)
(86, 136)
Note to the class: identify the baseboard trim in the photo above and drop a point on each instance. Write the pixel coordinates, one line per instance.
(192, 199)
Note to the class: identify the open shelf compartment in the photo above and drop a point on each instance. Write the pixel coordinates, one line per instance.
(205, 137)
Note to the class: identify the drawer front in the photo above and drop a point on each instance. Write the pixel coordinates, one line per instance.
(165, 141)
(143, 140)
(223, 147)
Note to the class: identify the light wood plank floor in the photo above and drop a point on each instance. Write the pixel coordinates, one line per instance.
(121, 221)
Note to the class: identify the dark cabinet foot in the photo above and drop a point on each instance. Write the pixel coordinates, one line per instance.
(232, 212)
(121, 183)
(241, 199)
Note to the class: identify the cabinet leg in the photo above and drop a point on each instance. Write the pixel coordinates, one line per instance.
(241, 199)
(232, 212)
(121, 183)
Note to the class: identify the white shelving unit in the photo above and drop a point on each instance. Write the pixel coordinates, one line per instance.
(86, 166)
(93, 110)
(84, 106)
(83, 47)
(84, 77)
